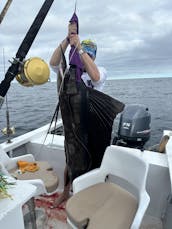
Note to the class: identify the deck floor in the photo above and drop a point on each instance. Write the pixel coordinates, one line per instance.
(150, 222)
(48, 218)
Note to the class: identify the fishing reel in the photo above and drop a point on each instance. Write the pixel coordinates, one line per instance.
(34, 71)
(8, 131)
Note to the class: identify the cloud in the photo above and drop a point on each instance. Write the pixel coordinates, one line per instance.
(132, 36)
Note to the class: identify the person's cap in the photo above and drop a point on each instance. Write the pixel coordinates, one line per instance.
(89, 47)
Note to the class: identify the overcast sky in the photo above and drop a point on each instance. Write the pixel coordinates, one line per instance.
(134, 37)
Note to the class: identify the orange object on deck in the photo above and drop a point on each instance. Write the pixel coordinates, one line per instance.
(27, 166)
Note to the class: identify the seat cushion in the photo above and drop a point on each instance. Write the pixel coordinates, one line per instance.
(45, 173)
(106, 205)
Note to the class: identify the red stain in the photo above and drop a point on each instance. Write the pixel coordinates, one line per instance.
(46, 202)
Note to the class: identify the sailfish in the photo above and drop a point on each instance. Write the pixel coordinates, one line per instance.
(87, 115)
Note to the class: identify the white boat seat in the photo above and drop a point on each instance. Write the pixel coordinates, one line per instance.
(45, 173)
(45, 179)
(104, 204)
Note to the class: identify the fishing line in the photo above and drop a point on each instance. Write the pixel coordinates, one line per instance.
(75, 6)
(66, 69)
(55, 115)
(63, 74)
(63, 57)
(8, 130)
(3, 53)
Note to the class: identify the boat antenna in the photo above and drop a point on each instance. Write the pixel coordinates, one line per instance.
(5, 9)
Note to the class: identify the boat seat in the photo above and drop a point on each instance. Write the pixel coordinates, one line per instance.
(45, 173)
(100, 201)
(45, 178)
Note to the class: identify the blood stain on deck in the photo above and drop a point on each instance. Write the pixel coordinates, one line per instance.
(46, 202)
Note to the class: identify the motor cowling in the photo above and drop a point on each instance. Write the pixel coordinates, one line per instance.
(134, 126)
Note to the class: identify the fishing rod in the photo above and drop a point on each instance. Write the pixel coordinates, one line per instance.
(5, 9)
(17, 62)
(7, 130)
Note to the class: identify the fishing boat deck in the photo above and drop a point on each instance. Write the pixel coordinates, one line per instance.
(48, 218)
(150, 222)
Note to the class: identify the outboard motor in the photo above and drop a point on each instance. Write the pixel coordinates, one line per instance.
(134, 127)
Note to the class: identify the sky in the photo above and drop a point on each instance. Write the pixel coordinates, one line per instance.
(133, 36)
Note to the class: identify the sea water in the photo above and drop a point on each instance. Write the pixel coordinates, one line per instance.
(33, 107)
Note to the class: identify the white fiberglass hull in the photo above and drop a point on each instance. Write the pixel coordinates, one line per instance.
(51, 148)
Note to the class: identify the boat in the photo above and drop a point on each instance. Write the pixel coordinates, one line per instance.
(49, 146)
(28, 203)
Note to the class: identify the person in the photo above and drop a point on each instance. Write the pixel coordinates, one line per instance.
(93, 76)
(87, 50)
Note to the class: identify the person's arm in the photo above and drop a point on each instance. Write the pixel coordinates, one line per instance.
(56, 56)
(90, 66)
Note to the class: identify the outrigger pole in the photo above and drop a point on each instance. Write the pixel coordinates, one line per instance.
(4, 11)
(13, 70)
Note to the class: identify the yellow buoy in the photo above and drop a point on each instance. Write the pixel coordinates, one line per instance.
(35, 71)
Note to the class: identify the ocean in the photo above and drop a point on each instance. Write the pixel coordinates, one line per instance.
(33, 107)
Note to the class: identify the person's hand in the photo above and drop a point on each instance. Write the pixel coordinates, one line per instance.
(72, 29)
(75, 41)
(73, 36)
